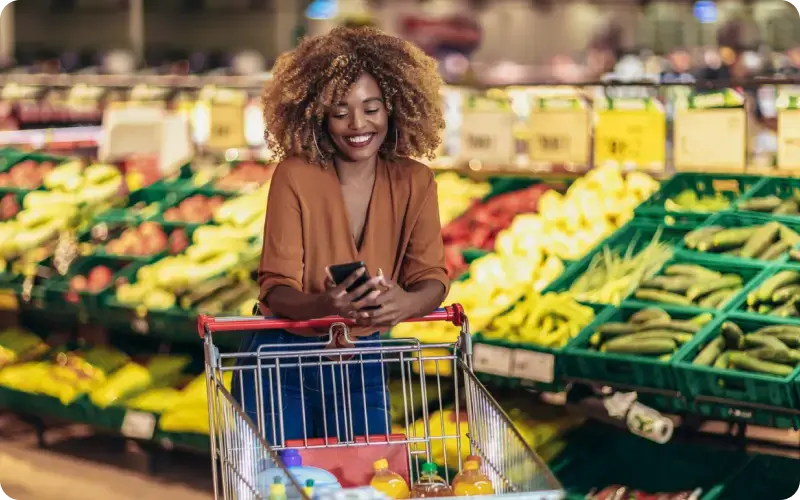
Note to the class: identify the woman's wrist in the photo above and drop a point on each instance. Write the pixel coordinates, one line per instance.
(424, 298)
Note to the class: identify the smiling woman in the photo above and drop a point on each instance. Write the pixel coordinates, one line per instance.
(345, 112)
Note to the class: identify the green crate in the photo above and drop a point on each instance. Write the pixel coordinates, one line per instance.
(731, 186)
(57, 289)
(598, 456)
(473, 254)
(732, 394)
(102, 233)
(626, 369)
(766, 478)
(176, 201)
(7, 163)
(179, 182)
(41, 405)
(547, 363)
(10, 157)
(752, 273)
(742, 219)
(140, 206)
(782, 187)
(638, 233)
(739, 305)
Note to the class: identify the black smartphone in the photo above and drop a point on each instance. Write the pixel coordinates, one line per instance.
(341, 272)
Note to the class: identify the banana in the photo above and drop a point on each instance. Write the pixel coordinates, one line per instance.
(62, 177)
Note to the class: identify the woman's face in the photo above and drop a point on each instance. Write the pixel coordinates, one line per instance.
(359, 123)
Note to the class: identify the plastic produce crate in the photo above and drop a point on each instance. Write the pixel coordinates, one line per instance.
(104, 233)
(782, 187)
(626, 369)
(740, 304)
(765, 477)
(717, 393)
(7, 163)
(639, 233)
(732, 187)
(529, 365)
(597, 456)
(731, 220)
(752, 273)
(57, 289)
(175, 202)
(142, 205)
(182, 182)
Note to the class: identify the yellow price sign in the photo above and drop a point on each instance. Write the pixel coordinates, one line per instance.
(227, 127)
(710, 139)
(631, 138)
(789, 139)
(560, 136)
(488, 136)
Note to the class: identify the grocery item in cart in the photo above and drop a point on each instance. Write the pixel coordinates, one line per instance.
(431, 484)
(388, 482)
(471, 481)
(277, 491)
(322, 479)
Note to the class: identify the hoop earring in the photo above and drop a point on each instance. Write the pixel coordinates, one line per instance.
(396, 140)
(316, 144)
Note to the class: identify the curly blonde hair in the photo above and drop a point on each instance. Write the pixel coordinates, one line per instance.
(321, 70)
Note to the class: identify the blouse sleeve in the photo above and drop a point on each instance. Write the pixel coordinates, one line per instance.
(282, 252)
(424, 258)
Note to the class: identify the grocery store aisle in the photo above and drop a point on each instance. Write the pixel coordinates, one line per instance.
(81, 465)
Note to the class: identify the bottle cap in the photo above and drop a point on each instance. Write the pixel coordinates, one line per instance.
(380, 464)
(430, 468)
(475, 458)
(291, 458)
(471, 465)
(309, 483)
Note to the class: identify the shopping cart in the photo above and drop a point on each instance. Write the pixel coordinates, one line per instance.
(443, 412)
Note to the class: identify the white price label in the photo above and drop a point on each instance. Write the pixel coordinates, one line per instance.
(488, 136)
(531, 365)
(492, 360)
(138, 425)
(140, 325)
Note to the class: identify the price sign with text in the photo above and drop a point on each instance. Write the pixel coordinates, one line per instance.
(710, 139)
(227, 127)
(788, 106)
(493, 360)
(487, 136)
(631, 133)
(559, 132)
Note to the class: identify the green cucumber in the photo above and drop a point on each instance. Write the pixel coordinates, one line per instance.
(742, 361)
(775, 250)
(693, 271)
(733, 335)
(761, 239)
(782, 356)
(651, 295)
(723, 360)
(786, 293)
(773, 283)
(656, 346)
(710, 352)
(649, 314)
(777, 330)
(718, 299)
(703, 289)
(702, 236)
(755, 340)
(732, 238)
(672, 325)
(761, 204)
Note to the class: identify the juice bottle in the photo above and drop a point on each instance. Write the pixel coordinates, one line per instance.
(309, 488)
(471, 481)
(457, 479)
(277, 491)
(430, 484)
(387, 482)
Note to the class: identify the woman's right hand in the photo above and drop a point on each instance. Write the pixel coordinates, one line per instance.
(338, 301)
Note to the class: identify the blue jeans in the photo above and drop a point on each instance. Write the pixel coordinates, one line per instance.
(338, 400)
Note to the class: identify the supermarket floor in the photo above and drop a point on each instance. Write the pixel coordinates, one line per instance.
(78, 464)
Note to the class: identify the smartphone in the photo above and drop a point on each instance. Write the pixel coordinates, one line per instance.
(341, 272)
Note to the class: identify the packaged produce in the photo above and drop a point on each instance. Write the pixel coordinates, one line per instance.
(650, 332)
(471, 481)
(548, 320)
(687, 284)
(387, 482)
(17, 344)
(612, 275)
(689, 200)
(430, 484)
(768, 241)
(770, 350)
(777, 295)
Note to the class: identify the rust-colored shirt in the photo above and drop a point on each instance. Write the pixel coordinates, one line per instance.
(307, 227)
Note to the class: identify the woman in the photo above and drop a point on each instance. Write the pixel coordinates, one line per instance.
(345, 112)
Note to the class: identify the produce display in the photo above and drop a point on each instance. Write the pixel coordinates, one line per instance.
(9, 206)
(777, 295)
(768, 350)
(95, 281)
(244, 175)
(773, 205)
(146, 239)
(27, 174)
(767, 241)
(17, 345)
(690, 284)
(548, 320)
(456, 194)
(197, 208)
(649, 332)
(689, 200)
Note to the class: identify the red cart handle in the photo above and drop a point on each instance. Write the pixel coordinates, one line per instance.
(453, 313)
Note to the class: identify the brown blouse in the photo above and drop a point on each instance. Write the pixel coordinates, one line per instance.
(307, 227)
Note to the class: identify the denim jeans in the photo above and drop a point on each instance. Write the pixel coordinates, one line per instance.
(339, 400)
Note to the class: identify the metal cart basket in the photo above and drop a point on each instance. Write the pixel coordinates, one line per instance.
(437, 410)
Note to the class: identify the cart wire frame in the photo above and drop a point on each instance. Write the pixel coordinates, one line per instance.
(244, 440)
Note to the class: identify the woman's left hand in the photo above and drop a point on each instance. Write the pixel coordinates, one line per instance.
(392, 305)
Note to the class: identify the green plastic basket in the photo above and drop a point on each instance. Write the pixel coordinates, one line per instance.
(179, 183)
(766, 478)
(730, 220)
(731, 186)
(104, 232)
(739, 305)
(57, 289)
(141, 205)
(782, 187)
(732, 394)
(626, 369)
(752, 273)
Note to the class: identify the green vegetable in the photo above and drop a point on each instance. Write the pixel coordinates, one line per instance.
(778, 330)
(649, 314)
(743, 361)
(772, 284)
(661, 296)
(672, 325)
(702, 289)
(790, 339)
(762, 204)
(731, 238)
(718, 299)
(710, 352)
(623, 345)
(775, 250)
(702, 319)
(782, 356)
(761, 239)
(678, 337)
(723, 360)
(614, 328)
(702, 236)
(755, 340)
(733, 335)
(675, 284)
(789, 235)
(785, 311)
(693, 271)
(786, 208)
(794, 254)
(786, 293)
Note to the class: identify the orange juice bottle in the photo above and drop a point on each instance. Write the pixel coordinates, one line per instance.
(387, 482)
(471, 481)
(457, 479)
(430, 484)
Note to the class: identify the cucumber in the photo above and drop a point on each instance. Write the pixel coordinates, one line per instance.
(674, 284)
(755, 340)
(661, 296)
(742, 361)
(786, 293)
(775, 250)
(790, 339)
(777, 330)
(761, 204)
(782, 356)
(691, 270)
(656, 346)
(205, 290)
(702, 236)
(615, 328)
(732, 238)
(702, 319)
(787, 310)
(649, 314)
(734, 338)
(761, 239)
(672, 325)
(703, 289)
(723, 360)
(710, 352)
(794, 254)
(773, 283)
(789, 235)
(718, 299)
(788, 207)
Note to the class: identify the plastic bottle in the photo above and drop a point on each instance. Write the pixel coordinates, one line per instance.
(277, 491)
(457, 479)
(430, 484)
(471, 481)
(323, 480)
(309, 488)
(387, 482)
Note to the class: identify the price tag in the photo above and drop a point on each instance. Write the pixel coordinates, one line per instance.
(710, 139)
(227, 130)
(789, 139)
(138, 425)
(8, 300)
(488, 136)
(492, 359)
(559, 135)
(631, 134)
(531, 365)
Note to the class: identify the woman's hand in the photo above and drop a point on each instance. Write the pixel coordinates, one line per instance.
(392, 305)
(338, 301)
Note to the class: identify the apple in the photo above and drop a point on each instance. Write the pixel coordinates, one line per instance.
(8, 207)
(99, 278)
(178, 241)
(78, 283)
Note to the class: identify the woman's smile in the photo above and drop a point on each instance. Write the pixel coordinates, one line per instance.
(359, 141)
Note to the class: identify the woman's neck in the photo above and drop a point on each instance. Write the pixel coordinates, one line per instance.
(355, 171)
